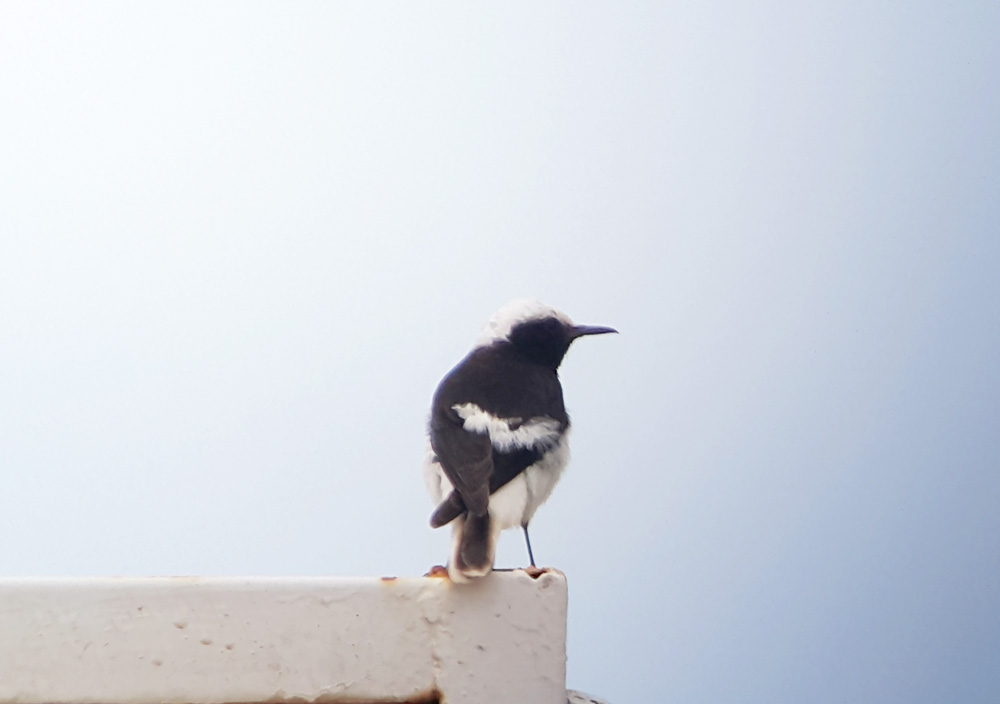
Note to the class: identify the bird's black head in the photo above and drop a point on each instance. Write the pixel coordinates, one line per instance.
(543, 341)
(540, 333)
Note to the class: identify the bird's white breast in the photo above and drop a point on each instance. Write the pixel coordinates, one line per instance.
(514, 503)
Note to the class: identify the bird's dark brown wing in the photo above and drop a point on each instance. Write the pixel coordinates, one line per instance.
(466, 458)
(506, 466)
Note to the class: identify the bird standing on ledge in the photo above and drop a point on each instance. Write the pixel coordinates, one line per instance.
(498, 432)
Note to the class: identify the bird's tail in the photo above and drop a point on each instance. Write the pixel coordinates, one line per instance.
(473, 545)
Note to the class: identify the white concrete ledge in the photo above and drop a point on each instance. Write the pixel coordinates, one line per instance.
(180, 640)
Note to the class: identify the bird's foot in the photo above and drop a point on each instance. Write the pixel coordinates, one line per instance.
(437, 571)
(534, 572)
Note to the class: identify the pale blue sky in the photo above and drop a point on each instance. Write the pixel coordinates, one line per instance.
(241, 243)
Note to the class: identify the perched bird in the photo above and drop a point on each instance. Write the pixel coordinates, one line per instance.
(498, 432)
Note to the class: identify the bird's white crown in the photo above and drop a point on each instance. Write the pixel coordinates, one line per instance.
(514, 313)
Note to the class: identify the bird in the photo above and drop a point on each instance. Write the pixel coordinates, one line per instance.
(497, 440)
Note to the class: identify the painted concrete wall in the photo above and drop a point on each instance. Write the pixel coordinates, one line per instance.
(172, 640)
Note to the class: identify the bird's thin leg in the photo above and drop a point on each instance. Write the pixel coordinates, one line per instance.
(527, 541)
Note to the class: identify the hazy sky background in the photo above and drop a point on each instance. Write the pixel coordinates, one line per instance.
(241, 243)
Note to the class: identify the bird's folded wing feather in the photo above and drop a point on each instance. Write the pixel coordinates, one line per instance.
(508, 465)
(466, 458)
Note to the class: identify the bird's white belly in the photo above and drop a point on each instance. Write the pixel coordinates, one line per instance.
(437, 483)
(513, 504)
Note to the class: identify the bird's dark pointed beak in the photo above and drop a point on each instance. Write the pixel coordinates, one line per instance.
(581, 330)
